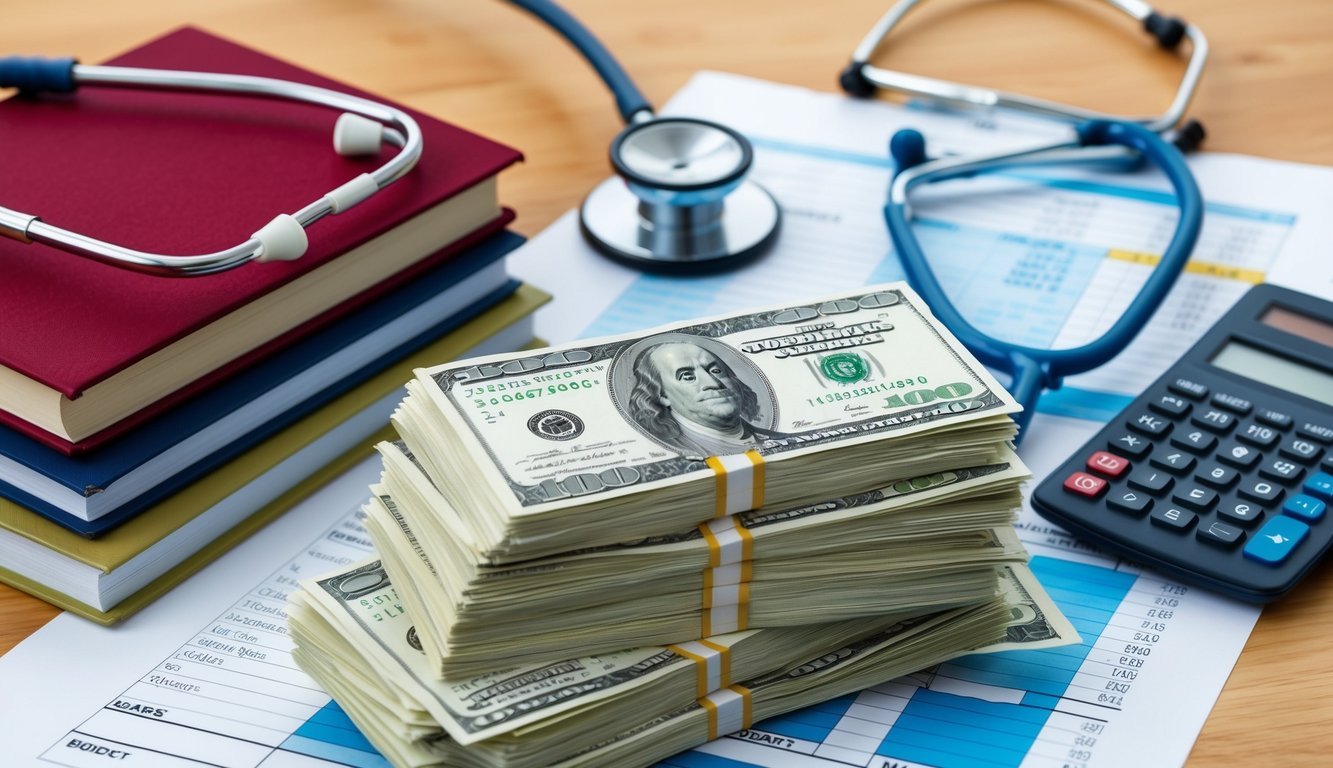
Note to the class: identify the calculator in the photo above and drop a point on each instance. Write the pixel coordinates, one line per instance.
(1221, 473)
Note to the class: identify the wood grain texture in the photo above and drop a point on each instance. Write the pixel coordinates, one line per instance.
(485, 66)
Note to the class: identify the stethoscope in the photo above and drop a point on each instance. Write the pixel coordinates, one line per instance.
(1096, 137)
(362, 129)
(680, 202)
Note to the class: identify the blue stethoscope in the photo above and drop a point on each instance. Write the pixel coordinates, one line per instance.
(1095, 138)
(680, 202)
(648, 220)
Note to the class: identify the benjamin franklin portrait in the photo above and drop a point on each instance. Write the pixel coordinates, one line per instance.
(685, 395)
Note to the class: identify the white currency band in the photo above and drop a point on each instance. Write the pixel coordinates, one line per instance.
(729, 709)
(728, 575)
(724, 618)
(730, 543)
(740, 483)
(712, 663)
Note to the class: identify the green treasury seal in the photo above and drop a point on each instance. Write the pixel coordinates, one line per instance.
(845, 367)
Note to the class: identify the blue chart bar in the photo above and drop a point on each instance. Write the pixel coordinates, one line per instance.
(330, 735)
(812, 723)
(946, 729)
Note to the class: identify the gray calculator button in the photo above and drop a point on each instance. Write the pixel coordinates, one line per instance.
(1262, 491)
(1130, 446)
(1196, 498)
(1245, 513)
(1238, 456)
(1177, 462)
(1319, 432)
(1217, 475)
(1170, 405)
(1191, 389)
(1149, 424)
(1150, 480)
(1173, 518)
(1258, 434)
(1300, 449)
(1129, 502)
(1273, 418)
(1214, 419)
(1220, 534)
(1194, 440)
(1232, 403)
(1282, 471)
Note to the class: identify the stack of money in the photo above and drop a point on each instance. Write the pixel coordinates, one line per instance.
(923, 543)
(633, 706)
(829, 481)
(653, 433)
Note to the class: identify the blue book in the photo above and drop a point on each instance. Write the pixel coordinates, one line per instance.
(94, 492)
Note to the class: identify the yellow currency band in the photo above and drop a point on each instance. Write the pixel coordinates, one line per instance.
(712, 664)
(724, 504)
(729, 710)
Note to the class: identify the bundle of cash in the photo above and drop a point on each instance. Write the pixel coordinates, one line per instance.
(353, 636)
(654, 433)
(921, 543)
(830, 481)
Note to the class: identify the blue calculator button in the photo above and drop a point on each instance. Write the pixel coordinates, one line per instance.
(1275, 542)
(1320, 486)
(1305, 508)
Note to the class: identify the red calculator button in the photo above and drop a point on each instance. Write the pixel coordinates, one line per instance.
(1085, 485)
(1108, 464)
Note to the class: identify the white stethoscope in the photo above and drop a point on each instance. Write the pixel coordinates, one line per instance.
(682, 202)
(361, 130)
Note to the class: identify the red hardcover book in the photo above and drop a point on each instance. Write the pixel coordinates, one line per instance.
(85, 346)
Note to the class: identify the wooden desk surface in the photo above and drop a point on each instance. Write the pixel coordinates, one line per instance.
(477, 63)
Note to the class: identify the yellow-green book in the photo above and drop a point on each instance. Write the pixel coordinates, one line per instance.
(109, 578)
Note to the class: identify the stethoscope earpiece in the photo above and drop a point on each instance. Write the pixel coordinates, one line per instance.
(362, 129)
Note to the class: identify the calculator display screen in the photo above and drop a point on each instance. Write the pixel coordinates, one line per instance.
(1281, 372)
(1298, 324)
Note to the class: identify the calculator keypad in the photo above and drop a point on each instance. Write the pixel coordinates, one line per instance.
(1205, 470)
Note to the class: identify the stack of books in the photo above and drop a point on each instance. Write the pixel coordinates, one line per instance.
(149, 423)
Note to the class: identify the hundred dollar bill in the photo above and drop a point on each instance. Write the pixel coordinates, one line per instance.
(919, 543)
(898, 650)
(360, 650)
(1034, 621)
(358, 616)
(626, 436)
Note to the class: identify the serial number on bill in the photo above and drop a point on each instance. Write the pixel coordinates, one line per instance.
(482, 396)
(843, 395)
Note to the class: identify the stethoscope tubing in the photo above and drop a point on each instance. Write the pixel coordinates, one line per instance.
(400, 130)
(630, 101)
(1035, 368)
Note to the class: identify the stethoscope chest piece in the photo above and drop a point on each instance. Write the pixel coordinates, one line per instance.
(681, 202)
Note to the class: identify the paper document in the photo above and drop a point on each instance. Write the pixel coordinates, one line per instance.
(204, 675)
(1039, 258)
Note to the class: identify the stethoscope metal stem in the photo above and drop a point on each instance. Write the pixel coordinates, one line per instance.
(961, 95)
